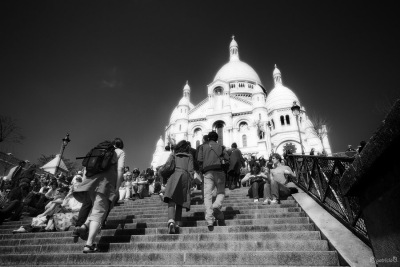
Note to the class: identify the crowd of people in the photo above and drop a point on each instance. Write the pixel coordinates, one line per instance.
(86, 199)
(24, 192)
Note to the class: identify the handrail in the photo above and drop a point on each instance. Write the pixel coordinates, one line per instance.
(319, 177)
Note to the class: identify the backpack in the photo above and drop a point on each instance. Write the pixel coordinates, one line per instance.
(99, 158)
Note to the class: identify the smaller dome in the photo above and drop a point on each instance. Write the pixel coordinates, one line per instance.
(233, 42)
(160, 142)
(281, 97)
(276, 71)
(184, 102)
(187, 87)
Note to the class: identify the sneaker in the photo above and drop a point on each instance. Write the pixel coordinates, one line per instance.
(255, 200)
(267, 201)
(90, 249)
(20, 230)
(218, 214)
(274, 201)
(171, 228)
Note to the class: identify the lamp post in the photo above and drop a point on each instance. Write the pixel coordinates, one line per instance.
(296, 112)
(65, 142)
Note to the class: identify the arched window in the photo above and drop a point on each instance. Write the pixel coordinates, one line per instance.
(300, 119)
(197, 143)
(282, 120)
(218, 90)
(219, 128)
(181, 110)
(243, 126)
(180, 127)
(259, 116)
(287, 120)
(244, 140)
(273, 124)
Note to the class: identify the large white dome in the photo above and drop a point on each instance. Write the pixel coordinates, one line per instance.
(236, 70)
(281, 97)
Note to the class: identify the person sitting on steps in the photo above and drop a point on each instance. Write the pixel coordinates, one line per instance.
(275, 187)
(257, 180)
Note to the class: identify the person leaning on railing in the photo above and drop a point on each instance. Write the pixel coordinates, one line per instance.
(275, 187)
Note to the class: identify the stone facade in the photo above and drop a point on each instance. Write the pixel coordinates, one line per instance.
(240, 110)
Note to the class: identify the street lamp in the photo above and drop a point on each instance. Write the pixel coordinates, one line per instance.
(296, 112)
(65, 142)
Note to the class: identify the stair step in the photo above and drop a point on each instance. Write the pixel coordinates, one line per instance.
(274, 245)
(136, 234)
(159, 231)
(250, 213)
(225, 223)
(328, 258)
(275, 233)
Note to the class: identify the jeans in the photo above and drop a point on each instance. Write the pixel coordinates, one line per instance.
(212, 180)
(256, 190)
(275, 190)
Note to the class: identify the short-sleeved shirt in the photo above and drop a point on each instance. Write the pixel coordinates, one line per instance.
(278, 173)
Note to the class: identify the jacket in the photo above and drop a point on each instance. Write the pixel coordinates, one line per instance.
(209, 157)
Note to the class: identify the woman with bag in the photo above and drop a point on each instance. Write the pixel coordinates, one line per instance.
(177, 191)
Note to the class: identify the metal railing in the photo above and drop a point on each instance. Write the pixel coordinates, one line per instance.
(320, 178)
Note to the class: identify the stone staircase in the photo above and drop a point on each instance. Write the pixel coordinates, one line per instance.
(253, 234)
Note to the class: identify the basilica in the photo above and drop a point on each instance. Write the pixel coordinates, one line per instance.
(240, 110)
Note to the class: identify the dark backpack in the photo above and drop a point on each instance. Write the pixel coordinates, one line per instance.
(99, 158)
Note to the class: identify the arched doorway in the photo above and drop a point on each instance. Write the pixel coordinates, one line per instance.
(219, 128)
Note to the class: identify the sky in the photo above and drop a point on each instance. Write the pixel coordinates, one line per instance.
(104, 69)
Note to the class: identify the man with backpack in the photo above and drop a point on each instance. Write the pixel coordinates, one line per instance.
(211, 159)
(102, 178)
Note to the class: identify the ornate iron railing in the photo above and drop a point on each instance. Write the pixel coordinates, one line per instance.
(320, 178)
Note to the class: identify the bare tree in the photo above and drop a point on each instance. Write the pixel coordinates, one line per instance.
(319, 127)
(9, 131)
